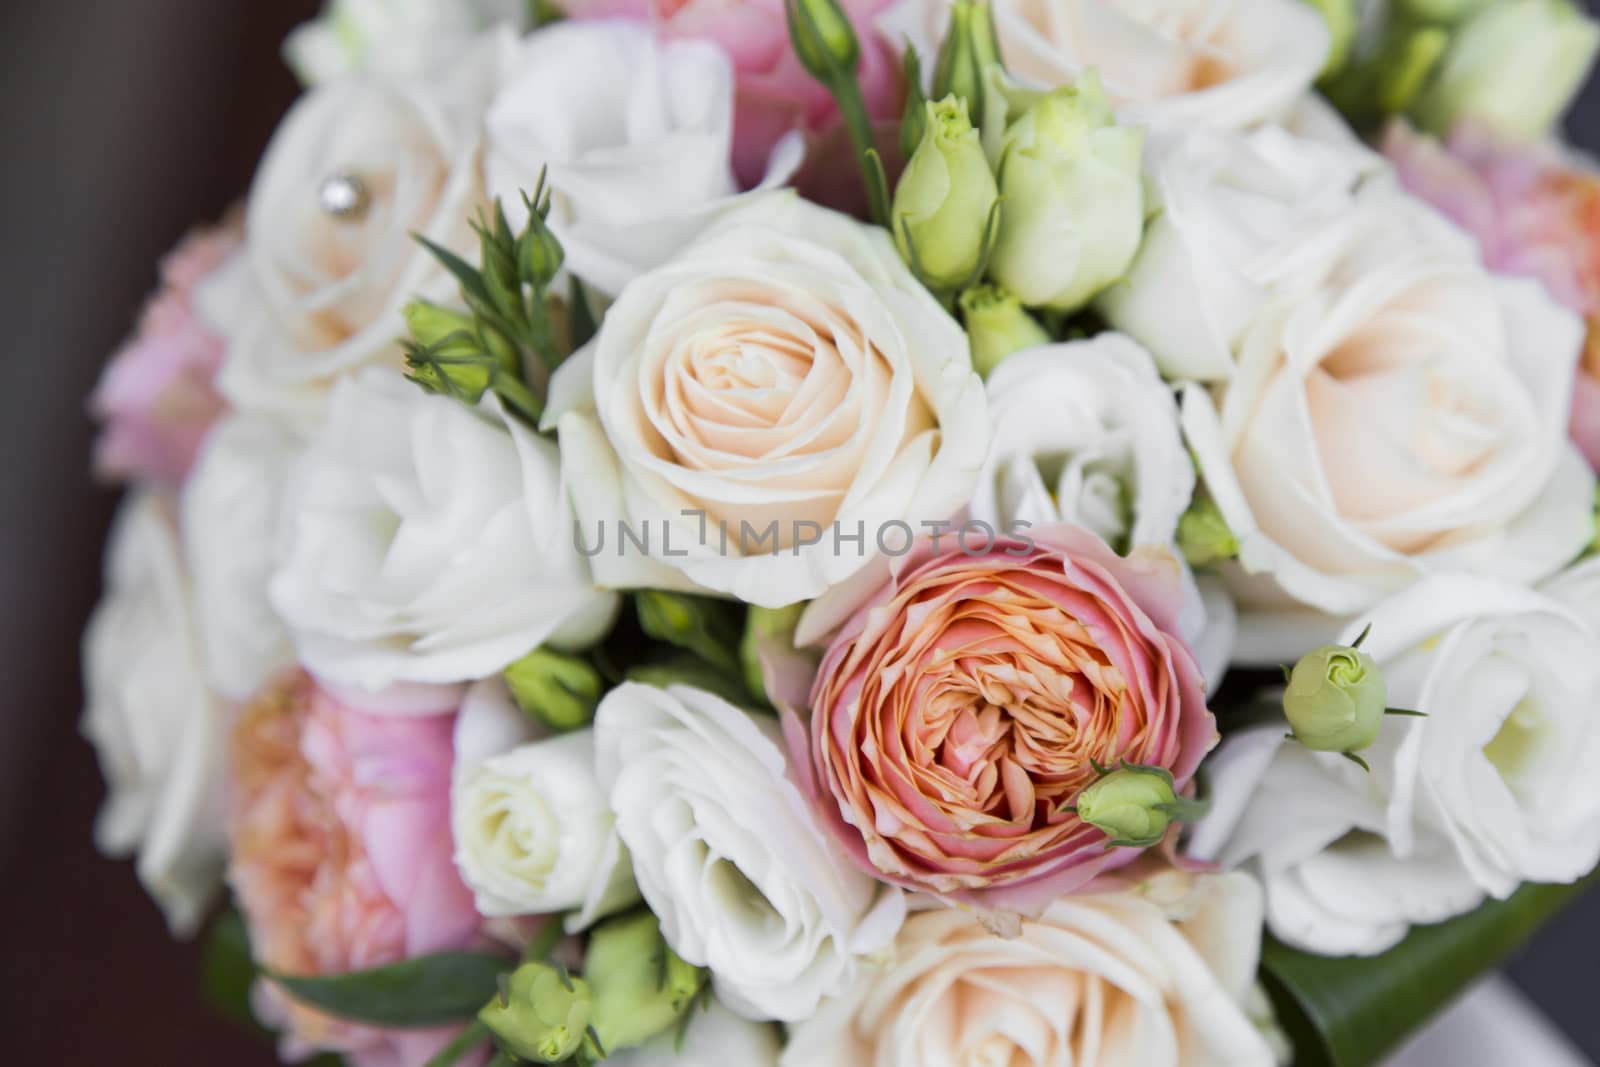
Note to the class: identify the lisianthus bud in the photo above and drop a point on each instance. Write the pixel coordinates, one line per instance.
(708, 628)
(823, 39)
(542, 1014)
(970, 47)
(446, 355)
(640, 986)
(1074, 199)
(539, 254)
(943, 215)
(1513, 66)
(1336, 699)
(558, 689)
(764, 625)
(1203, 534)
(997, 326)
(1133, 805)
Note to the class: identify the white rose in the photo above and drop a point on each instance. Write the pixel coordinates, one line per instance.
(156, 727)
(637, 155)
(428, 542)
(1159, 976)
(1242, 217)
(1488, 790)
(714, 1037)
(533, 832)
(403, 36)
(783, 378)
(1406, 416)
(232, 507)
(1173, 64)
(730, 855)
(321, 293)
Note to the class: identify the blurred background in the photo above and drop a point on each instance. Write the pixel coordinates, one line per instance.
(125, 122)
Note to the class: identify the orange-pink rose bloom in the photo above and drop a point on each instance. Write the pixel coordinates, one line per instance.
(954, 717)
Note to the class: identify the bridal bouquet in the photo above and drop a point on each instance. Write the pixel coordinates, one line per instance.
(948, 532)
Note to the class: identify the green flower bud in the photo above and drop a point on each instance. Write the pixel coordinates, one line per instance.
(1405, 64)
(997, 326)
(445, 356)
(641, 987)
(1335, 701)
(542, 1014)
(823, 39)
(1133, 805)
(1203, 534)
(558, 689)
(764, 625)
(1340, 17)
(708, 628)
(1074, 199)
(1513, 66)
(945, 202)
(915, 116)
(970, 47)
(539, 254)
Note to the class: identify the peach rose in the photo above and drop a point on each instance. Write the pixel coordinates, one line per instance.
(955, 715)
(340, 826)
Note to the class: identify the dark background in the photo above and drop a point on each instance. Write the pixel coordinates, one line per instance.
(124, 122)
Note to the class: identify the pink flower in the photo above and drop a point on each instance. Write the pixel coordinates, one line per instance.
(774, 94)
(155, 396)
(340, 827)
(1534, 212)
(957, 713)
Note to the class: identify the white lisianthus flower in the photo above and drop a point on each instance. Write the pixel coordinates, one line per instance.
(1488, 790)
(1241, 217)
(1160, 975)
(359, 168)
(638, 153)
(783, 378)
(1166, 64)
(402, 36)
(533, 832)
(1405, 416)
(428, 542)
(713, 1036)
(231, 511)
(730, 855)
(155, 725)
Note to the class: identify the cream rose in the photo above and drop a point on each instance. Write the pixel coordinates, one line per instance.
(427, 541)
(321, 290)
(1160, 975)
(1171, 64)
(731, 856)
(638, 153)
(156, 727)
(782, 384)
(1487, 791)
(232, 510)
(1405, 416)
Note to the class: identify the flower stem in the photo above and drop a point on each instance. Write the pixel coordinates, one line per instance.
(853, 111)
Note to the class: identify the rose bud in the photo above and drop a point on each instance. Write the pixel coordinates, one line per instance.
(1336, 699)
(1074, 199)
(997, 326)
(542, 1014)
(823, 39)
(641, 987)
(1513, 67)
(944, 207)
(1134, 805)
(557, 688)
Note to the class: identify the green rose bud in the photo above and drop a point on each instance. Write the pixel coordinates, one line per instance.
(1335, 701)
(1074, 199)
(1513, 66)
(558, 689)
(997, 326)
(709, 628)
(823, 39)
(641, 987)
(1203, 534)
(970, 47)
(765, 625)
(542, 1014)
(944, 205)
(1134, 805)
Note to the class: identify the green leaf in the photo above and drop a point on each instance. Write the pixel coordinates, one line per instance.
(426, 991)
(227, 970)
(1353, 1011)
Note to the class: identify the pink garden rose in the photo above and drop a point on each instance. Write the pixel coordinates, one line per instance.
(340, 827)
(1534, 212)
(957, 713)
(774, 94)
(155, 396)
